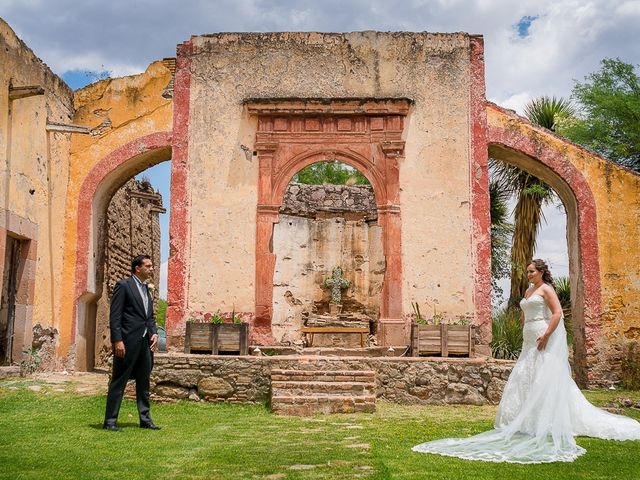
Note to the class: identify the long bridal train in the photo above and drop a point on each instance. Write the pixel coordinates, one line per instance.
(541, 409)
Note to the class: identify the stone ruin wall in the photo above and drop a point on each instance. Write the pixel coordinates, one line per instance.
(133, 228)
(29, 153)
(227, 69)
(321, 227)
(403, 380)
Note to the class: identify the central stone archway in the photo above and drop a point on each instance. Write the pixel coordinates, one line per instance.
(364, 133)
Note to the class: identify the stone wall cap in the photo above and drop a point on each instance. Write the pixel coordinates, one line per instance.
(184, 357)
(329, 105)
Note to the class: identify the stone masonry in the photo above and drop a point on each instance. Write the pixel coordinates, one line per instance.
(133, 228)
(310, 200)
(398, 379)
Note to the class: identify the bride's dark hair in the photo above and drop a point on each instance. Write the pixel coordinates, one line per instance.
(543, 268)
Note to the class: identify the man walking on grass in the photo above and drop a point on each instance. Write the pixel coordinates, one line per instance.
(134, 337)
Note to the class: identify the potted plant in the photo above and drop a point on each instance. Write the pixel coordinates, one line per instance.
(213, 334)
(438, 336)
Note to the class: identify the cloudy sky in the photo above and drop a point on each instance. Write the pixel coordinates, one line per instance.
(532, 47)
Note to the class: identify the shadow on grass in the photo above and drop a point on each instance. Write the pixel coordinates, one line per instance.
(127, 425)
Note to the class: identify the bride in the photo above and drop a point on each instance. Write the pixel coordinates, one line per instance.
(542, 409)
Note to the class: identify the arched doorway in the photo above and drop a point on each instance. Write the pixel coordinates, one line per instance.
(363, 133)
(108, 175)
(579, 205)
(328, 219)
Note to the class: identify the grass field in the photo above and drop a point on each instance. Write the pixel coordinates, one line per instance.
(52, 434)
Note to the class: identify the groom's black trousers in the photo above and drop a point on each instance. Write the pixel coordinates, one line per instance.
(137, 364)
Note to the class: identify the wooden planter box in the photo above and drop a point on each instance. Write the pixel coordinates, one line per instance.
(225, 338)
(442, 340)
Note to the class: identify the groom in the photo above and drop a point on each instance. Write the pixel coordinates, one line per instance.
(134, 337)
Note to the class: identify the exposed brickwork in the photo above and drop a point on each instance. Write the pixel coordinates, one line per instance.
(133, 228)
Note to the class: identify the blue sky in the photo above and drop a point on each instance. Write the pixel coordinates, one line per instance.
(532, 47)
(522, 27)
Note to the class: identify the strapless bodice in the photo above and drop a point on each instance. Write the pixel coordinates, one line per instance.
(535, 309)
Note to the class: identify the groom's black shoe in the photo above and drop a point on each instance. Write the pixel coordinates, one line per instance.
(111, 427)
(149, 426)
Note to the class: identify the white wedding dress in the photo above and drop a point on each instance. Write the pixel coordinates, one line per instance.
(541, 409)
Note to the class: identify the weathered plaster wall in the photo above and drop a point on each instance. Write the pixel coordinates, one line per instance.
(131, 125)
(431, 69)
(321, 227)
(33, 180)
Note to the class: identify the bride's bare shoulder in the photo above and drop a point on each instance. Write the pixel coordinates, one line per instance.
(547, 290)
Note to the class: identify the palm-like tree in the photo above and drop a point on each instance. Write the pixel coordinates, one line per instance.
(501, 231)
(532, 193)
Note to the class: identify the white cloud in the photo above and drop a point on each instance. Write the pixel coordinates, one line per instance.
(566, 41)
(516, 102)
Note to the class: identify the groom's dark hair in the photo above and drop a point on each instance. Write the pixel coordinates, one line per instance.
(137, 261)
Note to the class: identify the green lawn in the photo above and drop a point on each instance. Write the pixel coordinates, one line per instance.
(52, 434)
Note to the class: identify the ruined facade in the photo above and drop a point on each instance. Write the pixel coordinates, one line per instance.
(133, 228)
(245, 112)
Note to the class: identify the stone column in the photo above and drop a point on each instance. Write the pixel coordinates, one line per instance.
(267, 215)
(392, 327)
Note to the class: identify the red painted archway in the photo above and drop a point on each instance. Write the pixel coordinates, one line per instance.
(364, 133)
(109, 174)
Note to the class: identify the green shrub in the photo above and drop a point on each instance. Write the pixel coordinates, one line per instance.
(161, 312)
(30, 361)
(507, 334)
(563, 290)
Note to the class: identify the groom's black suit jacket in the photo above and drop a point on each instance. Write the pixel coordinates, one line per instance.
(127, 318)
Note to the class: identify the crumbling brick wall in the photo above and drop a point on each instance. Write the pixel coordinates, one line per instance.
(133, 228)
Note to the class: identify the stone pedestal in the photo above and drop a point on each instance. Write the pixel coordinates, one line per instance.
(392, 331)
(335, 308)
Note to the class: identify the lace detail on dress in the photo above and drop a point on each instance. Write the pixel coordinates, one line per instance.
(541, 408)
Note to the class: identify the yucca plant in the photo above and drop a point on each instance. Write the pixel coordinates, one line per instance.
(563, 290)
(507, 334)
(549, 112)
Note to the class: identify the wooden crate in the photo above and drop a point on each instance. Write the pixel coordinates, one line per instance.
(225, 338)
(441, 340)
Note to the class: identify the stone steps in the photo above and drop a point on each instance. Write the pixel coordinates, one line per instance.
(323, 375)
(311, 392)
(329, 388)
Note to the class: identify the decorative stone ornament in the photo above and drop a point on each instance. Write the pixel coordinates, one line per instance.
(336, 283)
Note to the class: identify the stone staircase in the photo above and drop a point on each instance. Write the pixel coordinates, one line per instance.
(322, 391)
